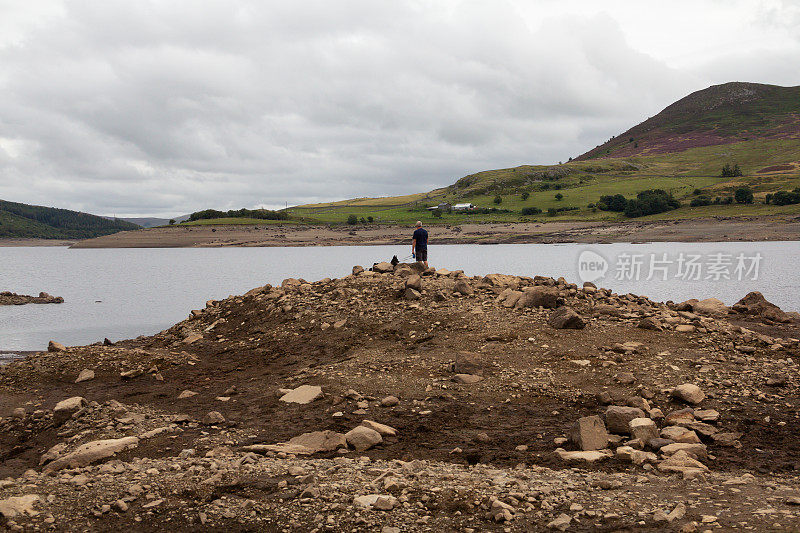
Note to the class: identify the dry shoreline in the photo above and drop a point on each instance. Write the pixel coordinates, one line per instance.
(695, 230)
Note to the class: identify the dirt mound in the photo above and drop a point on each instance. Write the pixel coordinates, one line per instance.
(448, 406)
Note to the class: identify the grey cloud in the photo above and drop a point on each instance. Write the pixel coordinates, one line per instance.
(167, 107)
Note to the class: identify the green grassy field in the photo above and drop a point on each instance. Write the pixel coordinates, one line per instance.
(583, 182)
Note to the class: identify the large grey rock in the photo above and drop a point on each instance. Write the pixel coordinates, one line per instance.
(618, 417)
(363, 438)
(303, 394)
(688, 393)
(589, 433)
(92, 452)
(566, 318)
(64, 409)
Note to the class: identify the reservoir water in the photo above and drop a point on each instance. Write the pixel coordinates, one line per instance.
(124, 293)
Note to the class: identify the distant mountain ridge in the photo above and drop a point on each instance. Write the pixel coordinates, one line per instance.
(19, 220)
(721, 114)
(149, 222)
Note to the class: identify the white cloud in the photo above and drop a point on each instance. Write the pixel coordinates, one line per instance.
(166, 107)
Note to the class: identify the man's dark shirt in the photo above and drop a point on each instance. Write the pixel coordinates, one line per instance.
(421, 236)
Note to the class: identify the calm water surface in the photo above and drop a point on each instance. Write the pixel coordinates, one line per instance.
(124, 293)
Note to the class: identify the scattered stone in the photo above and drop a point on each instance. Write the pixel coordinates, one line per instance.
(467, 379)
(363, 438)
(561, 522)
(389, 401)
(566, 318)
(64, 409)
(303, 394)
(618, 418)
(688, 393)
(54, 346)
(589, 433)
(383, 429)
(213, 418)
(85, 375)
(583, 456)
(92, 452)
(186, 394)
(643, 429)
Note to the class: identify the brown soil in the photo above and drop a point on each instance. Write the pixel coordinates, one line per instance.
(695, 230)
(537, 381)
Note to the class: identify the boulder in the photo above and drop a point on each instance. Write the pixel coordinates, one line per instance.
(303, 394)
(213, 417)
(381, 502)
(538, 296)
(85, 375)
(462, 287)
(414, 281)
(363, 438)
(589, 433)
(92, 452)
(643, 429)
(383, 267)
(411, 294)
(64, 409)
(358, 269)
(618, 418)
(389, 401)
(637, 457)
(54, 346)
(688, 393)
(18, 505)
(681, 462)
(566, 318)
(695, 449)
(305, 444)
(710, 306)
(650, 324)
(754, 304)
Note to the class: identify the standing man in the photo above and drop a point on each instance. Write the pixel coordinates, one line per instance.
(419, 244)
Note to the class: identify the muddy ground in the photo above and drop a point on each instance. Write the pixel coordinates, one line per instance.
(366, 337)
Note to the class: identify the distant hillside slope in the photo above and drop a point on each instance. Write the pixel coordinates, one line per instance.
(38, 222)
(721, 114)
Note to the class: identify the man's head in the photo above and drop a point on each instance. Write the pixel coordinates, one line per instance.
(418, 224)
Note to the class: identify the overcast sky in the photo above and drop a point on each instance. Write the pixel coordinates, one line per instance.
(165, 107)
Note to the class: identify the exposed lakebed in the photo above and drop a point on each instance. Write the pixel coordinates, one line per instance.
(124, 293)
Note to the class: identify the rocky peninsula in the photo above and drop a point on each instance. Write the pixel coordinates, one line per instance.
(404, 399)
(12, 298)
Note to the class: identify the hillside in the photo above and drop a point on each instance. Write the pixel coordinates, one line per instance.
(38, 222)
(682, 150)
(721, 114)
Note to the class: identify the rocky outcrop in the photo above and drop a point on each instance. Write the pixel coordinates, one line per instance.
(12, 298)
